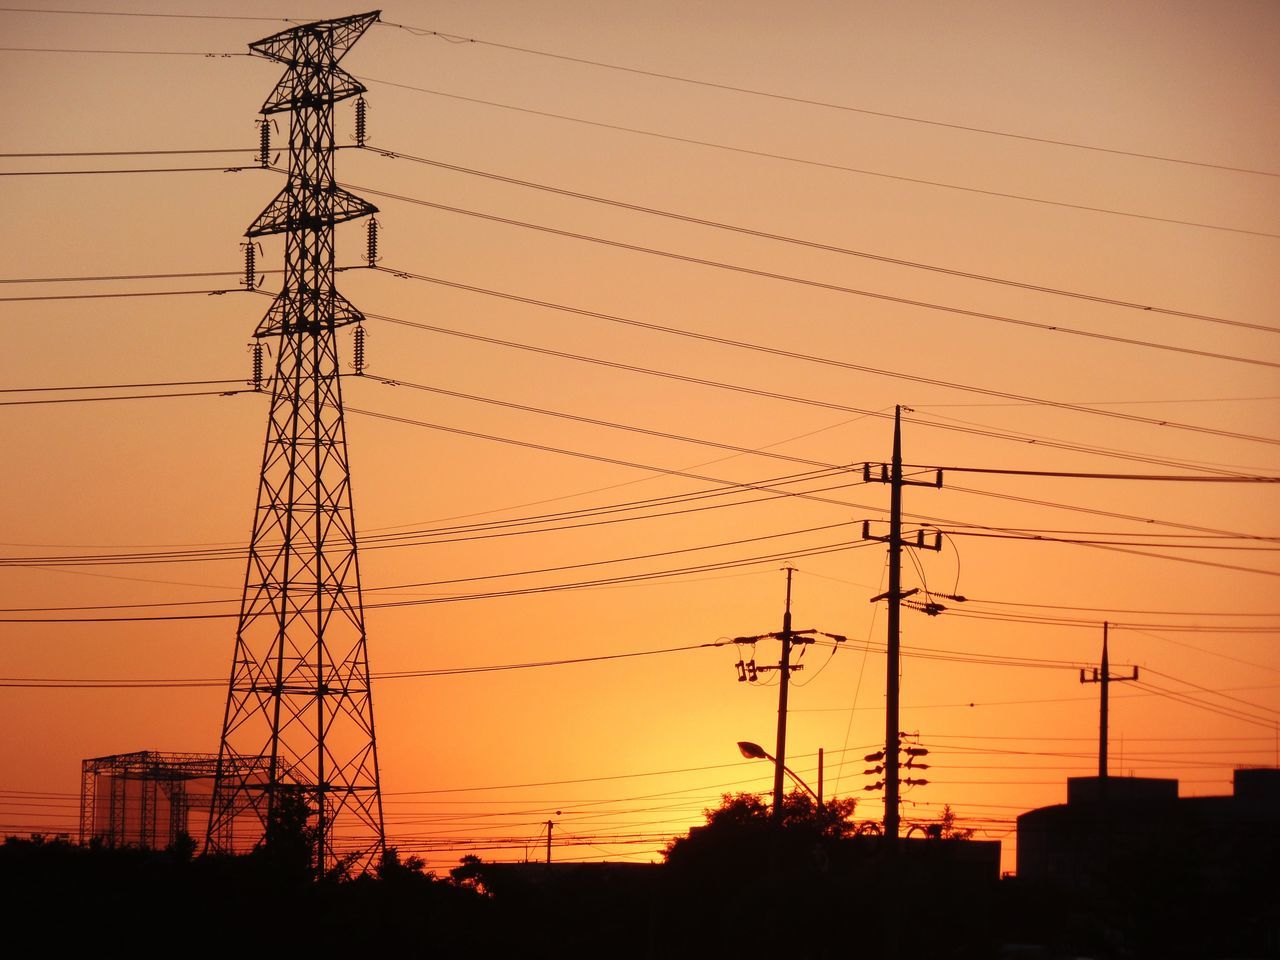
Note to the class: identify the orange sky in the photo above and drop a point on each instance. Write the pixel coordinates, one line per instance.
(636, 748)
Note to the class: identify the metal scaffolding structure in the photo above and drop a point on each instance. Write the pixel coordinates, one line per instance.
(299, 695)
(146, 798)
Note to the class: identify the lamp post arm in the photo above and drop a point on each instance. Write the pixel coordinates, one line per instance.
(794, 776)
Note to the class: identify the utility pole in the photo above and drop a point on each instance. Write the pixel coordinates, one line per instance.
(748, 671)
(299, 712)
(784, 685)
(549, 825)
(1104, 679)
(893, 476)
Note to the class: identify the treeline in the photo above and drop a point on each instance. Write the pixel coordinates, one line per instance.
(741, 886)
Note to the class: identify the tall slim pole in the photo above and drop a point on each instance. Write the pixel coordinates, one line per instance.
(549, 825)
(892, 475)
(1104, 679)
(1102, 714)
(821, 791)
(892, 674)
(780, 752)
(748, 671)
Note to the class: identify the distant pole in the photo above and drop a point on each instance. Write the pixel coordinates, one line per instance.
(1102, 714)
(821, 792)
(749, 671)
(1103, 678)
(549, 824)
(780, 752)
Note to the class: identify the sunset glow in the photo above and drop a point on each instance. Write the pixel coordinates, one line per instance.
(649, 285)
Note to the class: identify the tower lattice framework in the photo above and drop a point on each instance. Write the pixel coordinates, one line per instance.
(299, 699)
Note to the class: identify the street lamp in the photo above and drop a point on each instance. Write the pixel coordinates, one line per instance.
(753, 751)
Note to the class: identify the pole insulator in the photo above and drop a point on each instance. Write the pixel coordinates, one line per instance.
(264, 142)
(250, 265)
(257, 366)
(359, 358)
(371, 242)
(362, 121)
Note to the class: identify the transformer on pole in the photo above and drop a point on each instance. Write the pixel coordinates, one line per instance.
(299, 697)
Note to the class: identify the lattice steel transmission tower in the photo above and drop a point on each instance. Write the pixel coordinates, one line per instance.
(299, 695)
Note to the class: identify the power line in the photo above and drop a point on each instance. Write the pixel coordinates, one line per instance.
(1116, 549)
(1090, 623)
(811, 358)
(214, 55)
(1079, 509)
(157, 16)
(768, 486)
(821, 164)
(74, 173)
(1213, 653)
(1113, 610)
(134, 293)
(123, 153)
(630, 428)
(1205, 466)
(1075, 475)
(1125, 403)
(1165, 544)
(545, 448)
(823, 550)
(628, 559)
(826, 247)
(137, 684)
(1217, 693)
(1122, 533)
(740, 388)
(818, 284)
(133, 396)
(258, 271)
(987, 131)
(1192, 701)
(561, 783)
(569, 520)
(473, 579)
(119, 386)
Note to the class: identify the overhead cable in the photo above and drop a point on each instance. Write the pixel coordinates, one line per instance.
(826, 247)
(823, 164)
(847, 108)
(819, 284)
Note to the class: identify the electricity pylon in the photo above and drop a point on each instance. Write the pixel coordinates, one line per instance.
(299, 696)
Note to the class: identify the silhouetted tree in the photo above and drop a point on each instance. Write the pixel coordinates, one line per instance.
(717, 878)
(469, 874)
(946, 828)
(183, 847)
(288, 843)
(394, 870)
(737, 831)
